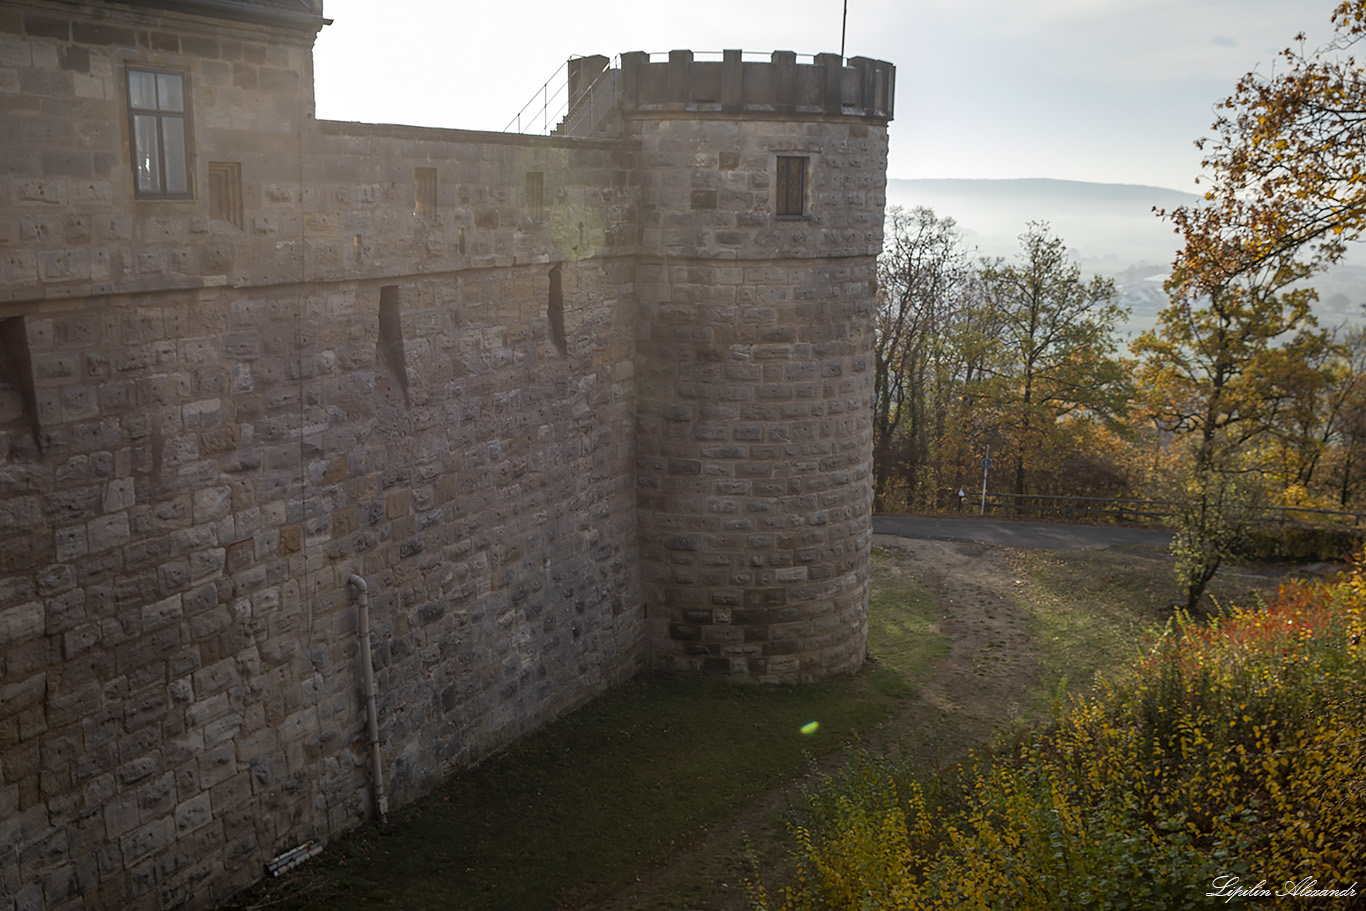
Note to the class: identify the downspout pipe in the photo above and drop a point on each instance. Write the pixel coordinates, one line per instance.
(368, 669)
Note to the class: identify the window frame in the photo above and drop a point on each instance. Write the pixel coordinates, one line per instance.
(225, 192)
(783, 201)
(426, 192)
(160, 116)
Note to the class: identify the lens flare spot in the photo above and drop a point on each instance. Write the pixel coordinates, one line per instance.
(810, 727)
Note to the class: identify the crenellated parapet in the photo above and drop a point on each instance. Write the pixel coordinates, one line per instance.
(829, 86)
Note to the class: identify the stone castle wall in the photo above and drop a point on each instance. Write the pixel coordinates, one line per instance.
(755, 378)
(449, 362)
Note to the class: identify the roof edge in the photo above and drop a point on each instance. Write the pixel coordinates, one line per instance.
(303, 19)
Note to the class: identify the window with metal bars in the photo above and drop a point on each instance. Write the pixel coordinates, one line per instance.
(791, 201)
(424, 192)
(225, 192)
(535, 194)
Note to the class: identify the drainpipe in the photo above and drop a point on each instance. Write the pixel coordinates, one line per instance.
(368, 669)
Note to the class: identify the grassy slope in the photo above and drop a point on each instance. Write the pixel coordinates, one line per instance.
(1094, 611)
(617, 788)
(579, 807)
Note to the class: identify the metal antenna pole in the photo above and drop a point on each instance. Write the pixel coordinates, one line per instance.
(844, 25)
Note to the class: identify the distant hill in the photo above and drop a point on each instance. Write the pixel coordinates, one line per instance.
(1111, 229)
(1073, 195)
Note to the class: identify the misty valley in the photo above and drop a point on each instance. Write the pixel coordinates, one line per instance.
(1110, 230)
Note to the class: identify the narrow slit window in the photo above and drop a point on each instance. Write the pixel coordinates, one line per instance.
(424, 192)
(791, 202)
(16, 372)
(159, 130)
(225, 192)
(555, 309)
(389, 346)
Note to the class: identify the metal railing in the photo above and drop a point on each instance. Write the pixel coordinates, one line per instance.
(1111, 508)
(599, 98)
(717, 56)
(549, 110)
(546, 97)
(1134, 509)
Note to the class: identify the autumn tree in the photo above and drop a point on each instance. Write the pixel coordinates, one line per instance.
(971, 377)
(922, 274)
(1237, 349)
(1291, 145)
(1340, 433)
(1058, 344)
(1225, 362)
(1323, 392)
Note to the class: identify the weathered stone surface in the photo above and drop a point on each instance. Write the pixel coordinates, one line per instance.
(561, 438)
(800, 342)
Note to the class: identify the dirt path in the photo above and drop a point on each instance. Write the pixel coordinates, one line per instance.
(975, 688)
(990, 666)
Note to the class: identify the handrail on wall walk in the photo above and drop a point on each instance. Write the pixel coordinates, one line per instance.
(568, 118)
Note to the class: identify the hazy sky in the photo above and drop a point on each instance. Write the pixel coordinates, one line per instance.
(1101, 90)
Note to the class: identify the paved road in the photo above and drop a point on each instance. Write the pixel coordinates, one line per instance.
(1036, 535)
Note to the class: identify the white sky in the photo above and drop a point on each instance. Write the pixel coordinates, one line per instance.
(1113, 91)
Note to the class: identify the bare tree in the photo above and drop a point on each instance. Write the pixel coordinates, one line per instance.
(923, 271)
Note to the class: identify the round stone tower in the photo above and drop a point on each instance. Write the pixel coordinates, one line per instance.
(763, 188)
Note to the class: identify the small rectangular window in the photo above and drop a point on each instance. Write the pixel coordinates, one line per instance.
(424, 192)
(535, 194)
(791, 201)
(225, 192)
(158, 114)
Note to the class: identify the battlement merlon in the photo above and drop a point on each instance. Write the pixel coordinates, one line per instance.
(829, 86)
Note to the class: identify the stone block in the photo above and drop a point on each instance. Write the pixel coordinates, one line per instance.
(148, 707)
(230, 793)
(161, 613)
(207, 563)
(217, 764)
(147, 839)
(211, 504)
(142, 650)
(107, 532)
(222, 729)
(20, 623)
(22, 695)
(156, 797)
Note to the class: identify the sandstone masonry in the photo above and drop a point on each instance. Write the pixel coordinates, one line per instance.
(572, 406)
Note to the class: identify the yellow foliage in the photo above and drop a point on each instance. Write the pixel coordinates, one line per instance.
(1235, 748)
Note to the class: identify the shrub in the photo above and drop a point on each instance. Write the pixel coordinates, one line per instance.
(1233, 748)
(1300, 543)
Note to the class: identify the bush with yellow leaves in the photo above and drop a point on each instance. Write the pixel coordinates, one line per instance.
(1233, 754)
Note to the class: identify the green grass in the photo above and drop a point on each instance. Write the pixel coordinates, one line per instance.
(903, 635)
(1094, 611)
(1090, 612)
(618, 784)
(574, 811)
